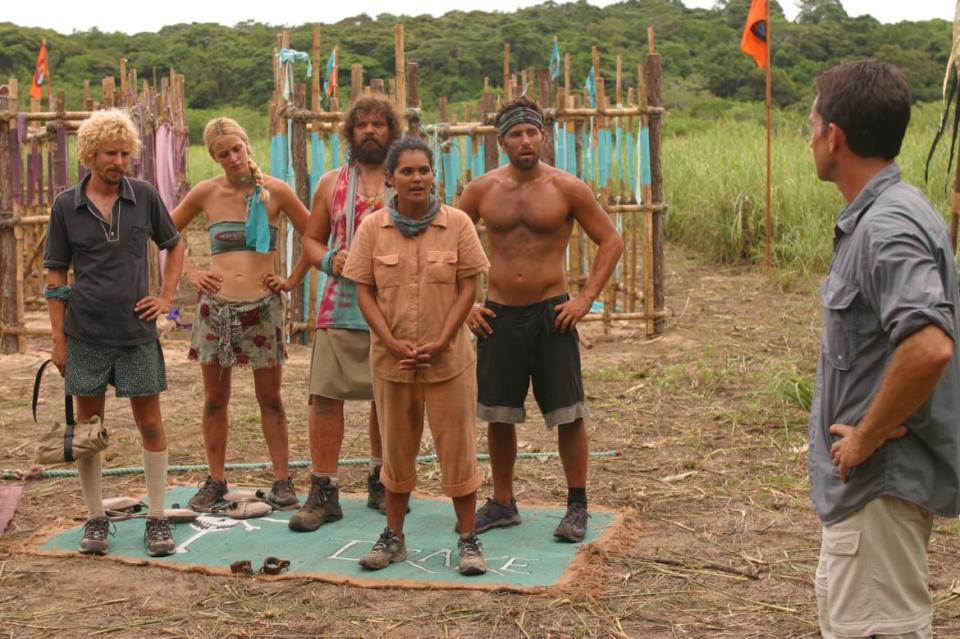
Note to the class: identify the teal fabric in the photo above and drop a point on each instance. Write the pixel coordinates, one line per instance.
(646, 177)
(409, 226)
(60, 292)
(524, 556)
(279, 156)
(289, 56)
(237, 237)
(257, 227)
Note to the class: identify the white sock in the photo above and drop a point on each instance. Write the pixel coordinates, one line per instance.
(155, 469)
(89, 469)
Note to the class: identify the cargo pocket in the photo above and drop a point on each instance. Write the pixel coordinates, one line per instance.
(839, 322)
(386, 270)
(441, 267)
(841, 543)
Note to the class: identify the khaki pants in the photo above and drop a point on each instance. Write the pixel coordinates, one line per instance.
(450, 406)
(872, 577)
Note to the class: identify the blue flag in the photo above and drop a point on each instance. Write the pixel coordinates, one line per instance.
(331, 69)
(591, 86)
(555, 60)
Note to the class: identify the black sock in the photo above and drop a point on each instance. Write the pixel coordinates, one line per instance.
(577, 496)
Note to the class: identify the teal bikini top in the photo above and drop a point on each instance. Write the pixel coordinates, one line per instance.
(232, 236)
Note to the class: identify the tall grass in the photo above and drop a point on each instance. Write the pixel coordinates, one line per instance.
(714, 183)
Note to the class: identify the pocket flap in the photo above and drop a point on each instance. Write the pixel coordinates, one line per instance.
(443, 257)
(836, 293)
(387, 260)
(845, 543)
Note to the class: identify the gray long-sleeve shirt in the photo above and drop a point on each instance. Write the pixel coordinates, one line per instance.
(893, 272)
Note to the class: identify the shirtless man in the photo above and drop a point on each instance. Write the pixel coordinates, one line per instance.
(340, 365)
(527, 327)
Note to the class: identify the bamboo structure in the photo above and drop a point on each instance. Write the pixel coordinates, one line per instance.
(612, 144)
(36, 166)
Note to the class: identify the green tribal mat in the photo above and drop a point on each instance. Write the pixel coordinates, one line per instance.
(523, 558)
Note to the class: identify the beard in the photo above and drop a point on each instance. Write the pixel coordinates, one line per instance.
(369, 151)
(525, 163)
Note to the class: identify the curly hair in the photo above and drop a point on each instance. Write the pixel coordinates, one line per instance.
(103, 127)
(372, 105)
(219, 127)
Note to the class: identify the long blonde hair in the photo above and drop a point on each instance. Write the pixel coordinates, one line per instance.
(217, 128)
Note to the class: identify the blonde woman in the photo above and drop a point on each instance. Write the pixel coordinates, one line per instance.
(240, 314)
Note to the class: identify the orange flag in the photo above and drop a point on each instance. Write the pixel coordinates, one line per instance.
(754, 42)
(40, 74)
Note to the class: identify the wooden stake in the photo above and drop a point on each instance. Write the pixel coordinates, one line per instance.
(356, 81)
(654, 73)
(507, 81)
(400, 68)
(316, 103)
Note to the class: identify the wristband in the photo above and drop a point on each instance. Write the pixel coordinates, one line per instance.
(60, 292)
(326, 264)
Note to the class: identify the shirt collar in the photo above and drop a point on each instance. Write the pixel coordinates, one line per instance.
(851, 213)
(80, 197)
(440, 220)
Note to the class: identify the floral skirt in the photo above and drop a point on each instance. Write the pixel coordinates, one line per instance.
(228, 332)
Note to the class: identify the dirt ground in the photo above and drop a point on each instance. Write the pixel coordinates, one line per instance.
(708, 418)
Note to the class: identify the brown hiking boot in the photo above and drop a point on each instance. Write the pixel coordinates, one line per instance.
(94, 539)
(322, 505)
(471, 556)
(389, 549)
(157, 537)
(376, 493)
(283, 496)
(210, 494)
(573, 526)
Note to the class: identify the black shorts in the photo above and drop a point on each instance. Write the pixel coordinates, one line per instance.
(524, 345)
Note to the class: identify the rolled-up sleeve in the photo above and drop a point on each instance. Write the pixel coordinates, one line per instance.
(57, 253)
(905, 278)
(471, 258)
(359, 266)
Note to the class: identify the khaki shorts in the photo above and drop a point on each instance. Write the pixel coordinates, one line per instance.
(872, 575)
(340, 364)
(450, 407)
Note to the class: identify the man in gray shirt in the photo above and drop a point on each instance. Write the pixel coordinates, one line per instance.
(884, 449)
(104, 326)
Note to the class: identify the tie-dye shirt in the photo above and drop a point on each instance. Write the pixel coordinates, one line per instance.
(338, 305)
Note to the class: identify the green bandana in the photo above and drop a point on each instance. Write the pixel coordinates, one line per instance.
(408, 226)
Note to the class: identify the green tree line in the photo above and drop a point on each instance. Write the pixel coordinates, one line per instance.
(231, 66)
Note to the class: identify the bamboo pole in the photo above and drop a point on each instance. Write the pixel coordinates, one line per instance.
(400, 68)
(298, 145)
(507, 81)
(316, 104)
(9, 343)
(356, 81)
(654, 72)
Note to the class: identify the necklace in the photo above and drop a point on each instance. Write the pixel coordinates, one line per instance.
(366, 191)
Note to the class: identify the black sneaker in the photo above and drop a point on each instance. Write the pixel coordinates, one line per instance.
(157, 537)
(389, 548)
(94, 539)
(376, 493)
(573, 526)
(471, 556)
(211, 492)
(494, 515)
(321, 506)
(283, 496)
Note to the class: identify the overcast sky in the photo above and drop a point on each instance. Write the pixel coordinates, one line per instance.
(76, 15)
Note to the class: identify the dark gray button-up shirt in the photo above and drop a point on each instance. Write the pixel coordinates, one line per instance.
(893, 272)
(109, 260)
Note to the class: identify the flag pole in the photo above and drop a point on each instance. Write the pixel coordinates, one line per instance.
(768, 261)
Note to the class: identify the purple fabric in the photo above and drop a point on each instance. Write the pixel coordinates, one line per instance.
(61, 173)
(137, 165)
(17, 165)
(33, 167)
(148, 156)
(51, 192)
(167, 165)
(22, 127)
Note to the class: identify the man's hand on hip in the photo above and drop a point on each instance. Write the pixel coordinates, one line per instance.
(855, 447)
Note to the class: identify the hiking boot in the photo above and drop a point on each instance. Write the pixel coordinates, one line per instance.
(94, 539)
(322, 505)
(494, 515)
(389, 549)
(211, 491)
(283, 496)
(157, 537)
(471, 556)
(376, 493)
(573, 526)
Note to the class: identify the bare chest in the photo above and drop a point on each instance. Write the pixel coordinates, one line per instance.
(104, 205)
(544, 215)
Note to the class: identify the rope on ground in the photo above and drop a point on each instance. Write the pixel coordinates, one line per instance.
(35, 473)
